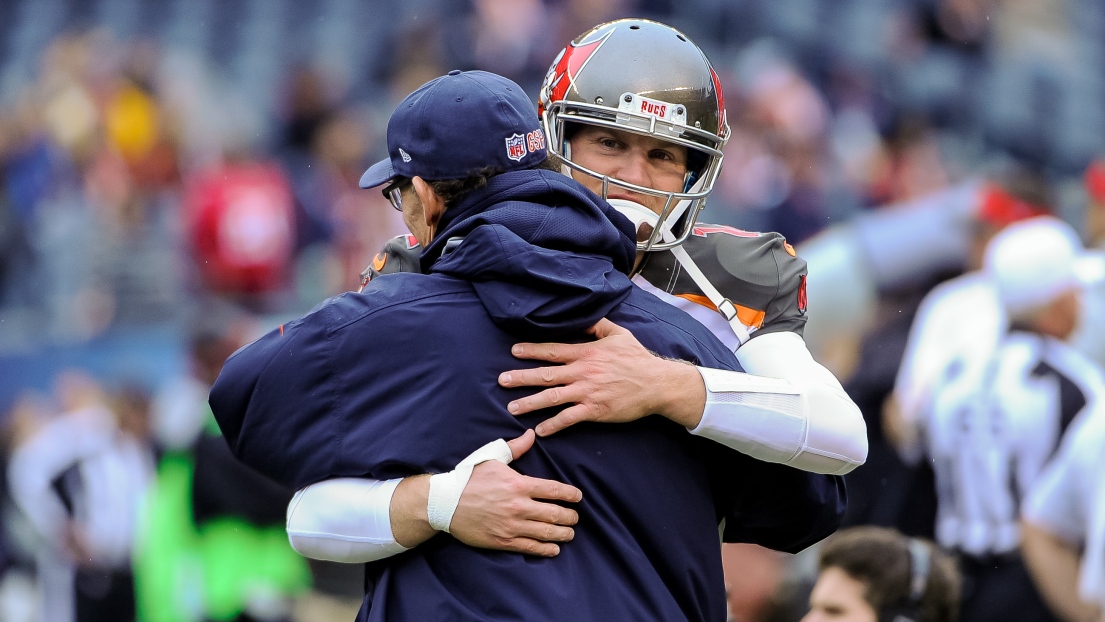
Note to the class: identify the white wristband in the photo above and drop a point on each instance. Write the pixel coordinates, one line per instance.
(446, 488)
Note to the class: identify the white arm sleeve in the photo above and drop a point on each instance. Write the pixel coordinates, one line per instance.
(349, 519)
(344, 520)
(792, 411)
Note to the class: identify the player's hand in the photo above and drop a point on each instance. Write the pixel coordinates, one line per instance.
(613, 380)
(504, 510)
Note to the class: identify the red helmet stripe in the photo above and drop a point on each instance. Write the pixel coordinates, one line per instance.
(571, 62)
(720, 103)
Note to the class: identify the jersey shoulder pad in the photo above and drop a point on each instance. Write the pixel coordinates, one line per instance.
(759, 272)
(400, 254)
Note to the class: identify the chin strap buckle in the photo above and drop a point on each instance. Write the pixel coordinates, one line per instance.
(727, 309)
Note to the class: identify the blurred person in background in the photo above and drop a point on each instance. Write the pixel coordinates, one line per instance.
(875, 574)
(989, 435)
(780, 174)
(959, 323)
(212, 543)
(1089, 337)
(1063, 531)
(242, 229)
(20, 547)
(922, 332)
(81, 479)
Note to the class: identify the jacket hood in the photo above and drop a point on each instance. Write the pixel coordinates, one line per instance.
(542, 252)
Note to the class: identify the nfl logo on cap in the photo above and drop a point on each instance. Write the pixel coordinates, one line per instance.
(516, 147)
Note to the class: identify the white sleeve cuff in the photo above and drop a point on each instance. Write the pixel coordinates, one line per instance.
(344, 520)
(792, 412)
(758, 416)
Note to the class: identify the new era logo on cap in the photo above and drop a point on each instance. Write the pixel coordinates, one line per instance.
(457, 124)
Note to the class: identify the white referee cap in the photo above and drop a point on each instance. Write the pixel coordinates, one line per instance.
(1035, 261)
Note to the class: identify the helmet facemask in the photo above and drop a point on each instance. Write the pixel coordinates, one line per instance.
(678, 101)
(674, 223)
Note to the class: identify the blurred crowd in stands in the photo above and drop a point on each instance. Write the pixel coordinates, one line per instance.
(179, 176)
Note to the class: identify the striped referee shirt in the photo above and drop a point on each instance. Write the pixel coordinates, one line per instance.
(990, 436)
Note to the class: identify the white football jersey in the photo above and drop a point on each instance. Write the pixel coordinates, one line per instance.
(957, 328)
(990, 437)
(1069, 499)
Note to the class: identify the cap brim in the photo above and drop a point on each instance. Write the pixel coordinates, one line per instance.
(378, 174)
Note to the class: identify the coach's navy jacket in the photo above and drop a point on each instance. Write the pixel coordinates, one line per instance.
(401, 379)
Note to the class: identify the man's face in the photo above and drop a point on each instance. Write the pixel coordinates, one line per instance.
(641, 160)
(837, 597)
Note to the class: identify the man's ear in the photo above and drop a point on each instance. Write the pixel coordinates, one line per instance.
(433, 207)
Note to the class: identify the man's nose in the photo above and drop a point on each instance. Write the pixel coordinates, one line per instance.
(634, 169)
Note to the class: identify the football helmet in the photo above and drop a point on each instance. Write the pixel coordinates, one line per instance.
(647, 78)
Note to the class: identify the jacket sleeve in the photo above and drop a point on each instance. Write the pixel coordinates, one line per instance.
(276, 403)
(776, 506)
(792, 410)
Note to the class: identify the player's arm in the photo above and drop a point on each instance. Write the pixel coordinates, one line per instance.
(789, 410)
(1053, 526)
(357, 520)
(795, 411)
(1053, 564)
(786, 408)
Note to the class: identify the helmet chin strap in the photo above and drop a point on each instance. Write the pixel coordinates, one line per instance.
(639, 214)
(636, 213)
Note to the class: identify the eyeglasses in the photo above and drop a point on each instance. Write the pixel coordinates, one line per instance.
(393, 192)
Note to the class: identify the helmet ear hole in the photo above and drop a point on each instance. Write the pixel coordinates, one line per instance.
(696, 165)
(570, 130)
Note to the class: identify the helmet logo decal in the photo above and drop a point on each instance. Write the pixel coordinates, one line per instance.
(571, 61)
(723, 120)
(516, 147)
(639, 104)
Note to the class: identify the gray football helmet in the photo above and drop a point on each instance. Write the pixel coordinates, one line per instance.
(648, 78)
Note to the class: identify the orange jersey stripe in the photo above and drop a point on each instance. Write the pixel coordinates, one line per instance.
(751, 318)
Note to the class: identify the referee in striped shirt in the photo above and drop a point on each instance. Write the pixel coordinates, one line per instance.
(990, 434)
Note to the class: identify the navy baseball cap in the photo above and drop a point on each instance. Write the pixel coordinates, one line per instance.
(457, 124)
